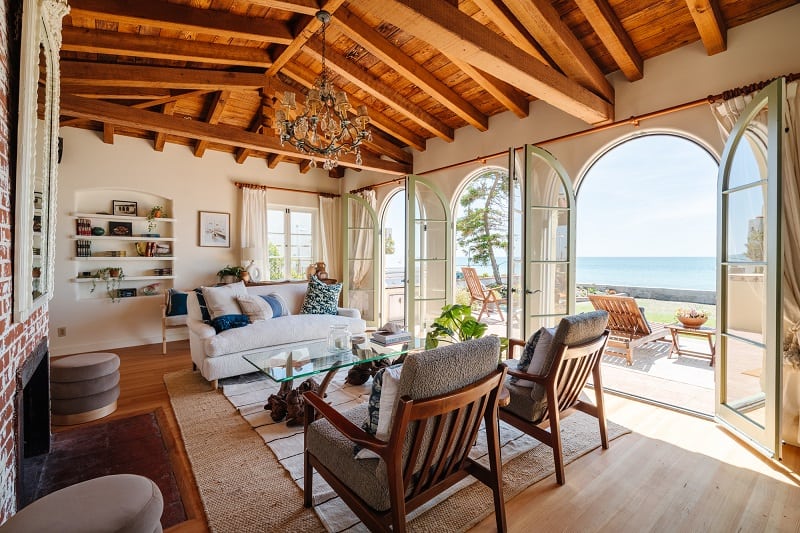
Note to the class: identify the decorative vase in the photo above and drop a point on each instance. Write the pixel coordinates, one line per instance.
(339, 338)
(311, 270)
(245, 276)
(114, 272)
(98, 231)
(692, 322)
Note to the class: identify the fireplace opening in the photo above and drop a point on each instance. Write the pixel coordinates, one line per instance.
(32, 421)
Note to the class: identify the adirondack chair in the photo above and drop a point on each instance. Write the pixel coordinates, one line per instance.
(628, 325)
(478, 293)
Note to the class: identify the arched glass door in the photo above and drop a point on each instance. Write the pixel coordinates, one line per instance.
(361, 242)
(516, 249)
(749, 273)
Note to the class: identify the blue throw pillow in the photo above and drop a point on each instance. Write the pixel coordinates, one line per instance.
(527, 354)
(226, 322)
(205, 315)
(176, 303)
(277, 303)
(321, 298)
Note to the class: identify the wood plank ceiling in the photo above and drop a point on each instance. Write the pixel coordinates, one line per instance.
(207, 73)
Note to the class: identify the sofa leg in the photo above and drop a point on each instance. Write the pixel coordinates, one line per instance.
(194, 367)
(215, 384)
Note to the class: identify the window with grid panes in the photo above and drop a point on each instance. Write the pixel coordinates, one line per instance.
(291, 236)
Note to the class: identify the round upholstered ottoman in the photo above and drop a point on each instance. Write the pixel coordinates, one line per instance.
(123, 503)
(83, 387)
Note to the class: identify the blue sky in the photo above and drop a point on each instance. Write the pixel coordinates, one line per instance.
(654, 196)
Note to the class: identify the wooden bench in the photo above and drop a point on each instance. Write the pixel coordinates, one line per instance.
(629, 328)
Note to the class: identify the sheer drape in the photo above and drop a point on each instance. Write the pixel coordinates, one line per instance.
(254, 229)
(330, 226)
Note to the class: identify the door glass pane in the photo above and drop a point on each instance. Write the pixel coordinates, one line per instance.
(430, 207)
(361, 263)
(427, 287)
(430, 242)
(746, 306)
(744, 381)
(547, 188)
(746, 227)
(749, 162)
(550, 243)
(516, 294)
(544, 301)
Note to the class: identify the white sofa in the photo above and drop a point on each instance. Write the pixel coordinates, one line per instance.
(219, 355)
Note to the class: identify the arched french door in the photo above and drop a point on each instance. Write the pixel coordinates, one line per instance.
(361, 259)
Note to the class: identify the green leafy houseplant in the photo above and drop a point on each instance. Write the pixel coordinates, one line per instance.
(235, 271)
(112, 276)
(455, 324)
(155, 212)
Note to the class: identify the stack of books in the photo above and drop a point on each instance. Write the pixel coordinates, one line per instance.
(384, 337)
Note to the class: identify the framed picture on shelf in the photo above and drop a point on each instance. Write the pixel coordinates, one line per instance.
(215, 229)
(120, 229)
(38, 200)
(124, 208)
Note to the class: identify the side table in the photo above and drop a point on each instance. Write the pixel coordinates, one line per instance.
(677, 329)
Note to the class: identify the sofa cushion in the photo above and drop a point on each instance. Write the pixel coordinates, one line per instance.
(176, 303)
(321, 298)
(254, 307)
(226, 322)
(277, 304)
(205, 316)
(222, 300)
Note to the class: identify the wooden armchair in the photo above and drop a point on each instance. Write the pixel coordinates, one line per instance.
(444, 394)
(628, 325)
(488, 298)
(574, 353)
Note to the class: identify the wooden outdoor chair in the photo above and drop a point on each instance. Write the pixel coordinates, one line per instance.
(478, 293)
(628, 325)
(575, 351)
(444, 394)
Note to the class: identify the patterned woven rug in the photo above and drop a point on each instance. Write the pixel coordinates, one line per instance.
(244, 490)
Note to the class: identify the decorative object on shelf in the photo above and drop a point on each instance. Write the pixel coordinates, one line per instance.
(691, 317)
(83, 248)
(249, 257)
(126, 293)
(324, 128)
(120, 229)
(320, 271)
(155, 212)
(37, 272)
(339, 338)
(231, 274)
(37, 223)
(97, 231)
(215, 229)
(112, 276)
(151, 290)
(38, 200)
(124, 208)
(83, 226)
(311, 270)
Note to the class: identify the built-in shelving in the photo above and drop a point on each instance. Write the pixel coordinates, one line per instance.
(134, 238)
(112, 259)
(124, 278)
(118, 218)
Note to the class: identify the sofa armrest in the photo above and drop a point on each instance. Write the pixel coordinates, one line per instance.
(200, 329)
(348, 312)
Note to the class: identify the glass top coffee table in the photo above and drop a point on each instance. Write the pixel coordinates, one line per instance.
(284, 365)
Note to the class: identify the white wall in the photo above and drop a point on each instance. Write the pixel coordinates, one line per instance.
(194, 184)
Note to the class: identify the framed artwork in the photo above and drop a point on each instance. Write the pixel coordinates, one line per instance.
(215, 229)
(122, 208)
(120, 229)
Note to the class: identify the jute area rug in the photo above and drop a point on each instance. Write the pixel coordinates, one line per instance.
(247, 486)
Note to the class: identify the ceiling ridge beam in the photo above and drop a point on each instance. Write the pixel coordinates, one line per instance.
(117, 75)
(457, 35)
(364, 35)
(382, 92)
(606, 24)
(121, 115)
(543, 22)
(133, 45)
(214, 113)
(306, 7)
(183, 18)
(710, 24)
(498, 13)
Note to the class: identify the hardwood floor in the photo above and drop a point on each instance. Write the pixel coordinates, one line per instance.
(673, 473)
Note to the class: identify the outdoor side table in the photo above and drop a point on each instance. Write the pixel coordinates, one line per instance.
(678, 329)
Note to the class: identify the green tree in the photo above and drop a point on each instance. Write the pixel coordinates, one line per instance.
(483, 228)
(275, 263)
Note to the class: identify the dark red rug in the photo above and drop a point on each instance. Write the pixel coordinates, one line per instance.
(131, 445)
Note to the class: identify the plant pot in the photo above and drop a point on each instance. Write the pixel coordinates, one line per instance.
(244, 276)
(690, 322)
(114, 272)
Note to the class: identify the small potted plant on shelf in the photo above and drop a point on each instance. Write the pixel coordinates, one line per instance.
(112, 276)
(155, 212)
(231, 274)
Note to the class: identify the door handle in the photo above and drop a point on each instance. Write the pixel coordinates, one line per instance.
(528, 291)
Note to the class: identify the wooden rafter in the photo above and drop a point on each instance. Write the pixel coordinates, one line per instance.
(379, 90)
(710, 23)
(305, 166)
(108, 133)
(115, 93)
(143, 105)
(241, 154)
(183, 18)
(121, 115)
(133, 45)
(214, 113)
(459, 36)
(161, 137)
(274, 159)
(364, 35)
(498, 13)
(500, 90)
(543, 22)
(307, 7)
(609, 29)
(114, 75)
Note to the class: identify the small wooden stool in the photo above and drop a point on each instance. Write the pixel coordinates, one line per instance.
(83, 387)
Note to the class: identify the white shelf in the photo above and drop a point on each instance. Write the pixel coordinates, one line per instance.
(117, 218)
(107, 299)
(113, 238)
(124, 279)
(110, 259)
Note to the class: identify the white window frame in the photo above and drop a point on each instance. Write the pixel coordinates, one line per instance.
(287, 234)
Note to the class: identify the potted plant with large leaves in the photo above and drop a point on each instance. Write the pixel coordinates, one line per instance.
(455, 324)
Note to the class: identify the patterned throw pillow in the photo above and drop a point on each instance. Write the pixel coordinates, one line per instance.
(176, 303)
(226, 322)
(278, 304)
(539, 355)
(204, 314)
(381, 407)
(321, 298)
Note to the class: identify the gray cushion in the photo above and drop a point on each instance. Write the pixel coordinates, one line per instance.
(73, 406)
(123, 503)
(521, 404)
(83, 366)
(87, 387)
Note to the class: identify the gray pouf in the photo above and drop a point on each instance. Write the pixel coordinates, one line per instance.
(83, 387)
(124, 503)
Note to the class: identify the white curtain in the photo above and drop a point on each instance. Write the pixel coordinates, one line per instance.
(726, 114)
(254, 229)
(330, 226)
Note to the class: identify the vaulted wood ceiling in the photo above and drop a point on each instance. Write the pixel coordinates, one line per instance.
(206, 73)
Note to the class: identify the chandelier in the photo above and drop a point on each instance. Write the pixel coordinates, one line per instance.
(324, 127)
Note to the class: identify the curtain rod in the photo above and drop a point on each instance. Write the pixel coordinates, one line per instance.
(381, 184)
(241, 185)
(634, 121)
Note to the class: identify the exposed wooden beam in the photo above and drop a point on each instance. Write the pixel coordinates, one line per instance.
(115, 93)
(544, 23)
(115, 75)
(386, 94)
(214, 113)
(498, 13)
(500, 90)
(161, 137)
(305, 166)
(121, 115)
(377, 45)
(144, 105)
(391, 127)
(614, 37)
(241, 154)
(133, 45)
(459, 36)
(108, 133)
(183, 18)
(710, 23)
(306, 7)
(336, 173)
(274, 159)
(308, 30)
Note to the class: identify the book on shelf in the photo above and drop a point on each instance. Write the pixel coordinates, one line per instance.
(383, 336)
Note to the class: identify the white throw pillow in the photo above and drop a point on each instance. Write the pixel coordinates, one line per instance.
(255, 307)
(222, 300)
(390, 385)
(539, 358)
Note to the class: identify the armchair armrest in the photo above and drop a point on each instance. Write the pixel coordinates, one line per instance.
(524, 375)
(353, 433)
(200, 329)
(511, 344)
(348, 312)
